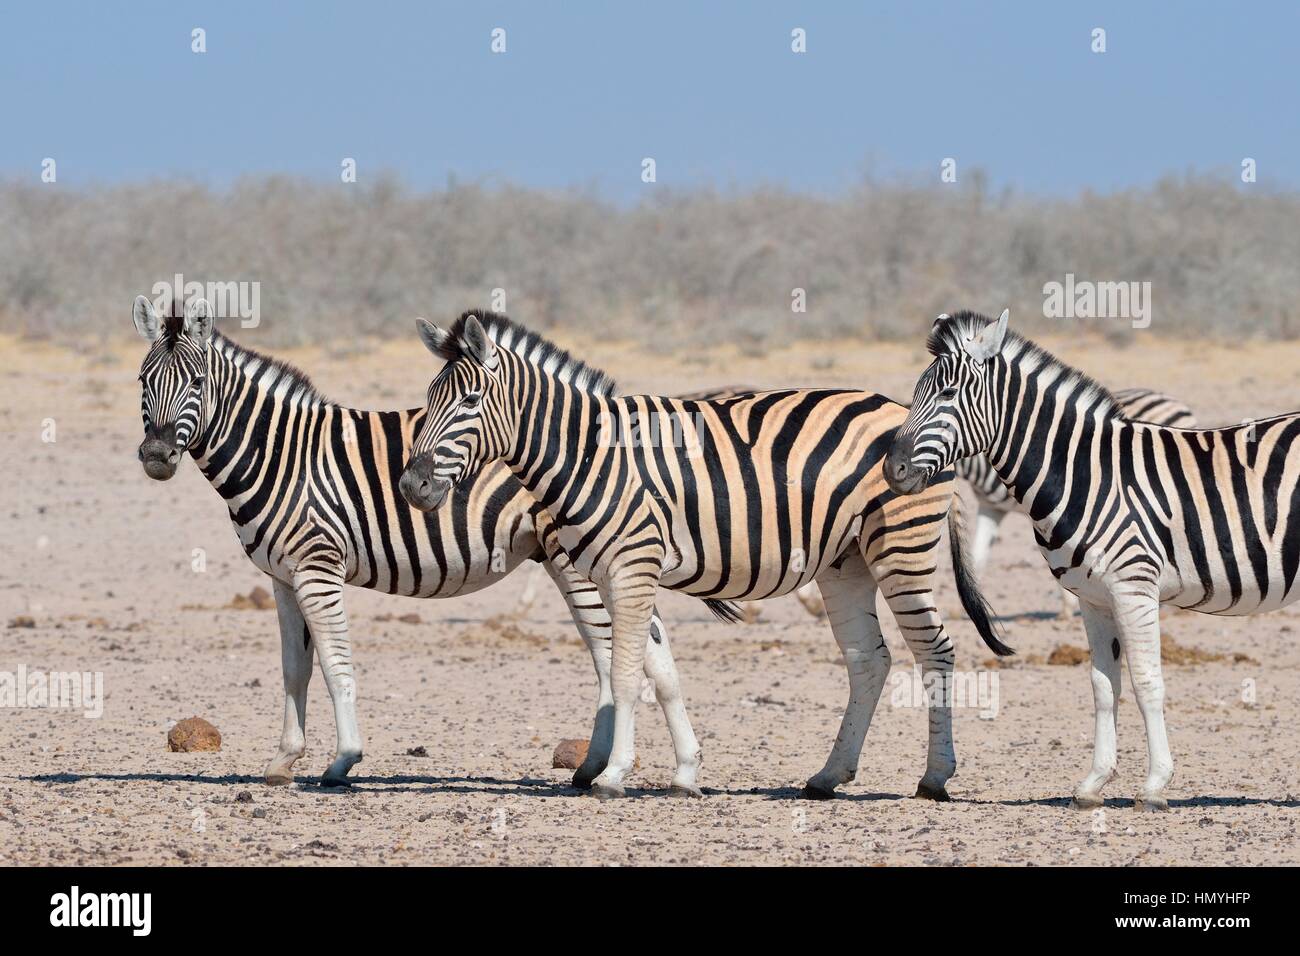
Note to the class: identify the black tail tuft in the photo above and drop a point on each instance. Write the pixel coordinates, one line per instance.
(728, 612)
(972, 601)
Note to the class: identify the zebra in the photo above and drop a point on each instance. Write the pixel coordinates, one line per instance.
(744, 498)
(994, 502)
(807, 594)
(311, 489)
(1129, 515)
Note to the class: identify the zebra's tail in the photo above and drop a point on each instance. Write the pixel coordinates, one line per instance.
(968, 589)
(728, 612)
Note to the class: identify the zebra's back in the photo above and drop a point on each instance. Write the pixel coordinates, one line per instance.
(1146, 405)
(778, 486)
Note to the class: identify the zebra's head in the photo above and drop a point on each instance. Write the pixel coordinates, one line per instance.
(467, 421)
(954, 412)
(172, 381)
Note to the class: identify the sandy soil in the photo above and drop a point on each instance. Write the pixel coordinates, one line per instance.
(100, 558)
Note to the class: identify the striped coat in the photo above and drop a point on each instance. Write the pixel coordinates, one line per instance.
(744, 498)
(994, 501)
(311, 487)
(1127, 514)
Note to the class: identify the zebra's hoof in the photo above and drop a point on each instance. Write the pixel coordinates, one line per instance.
(606, 791)
(279, 778)
(1086, 801)
(582, 781)
(334, 782)
(811, 791)
(926, 792)
(1151, 804)
(686, 793)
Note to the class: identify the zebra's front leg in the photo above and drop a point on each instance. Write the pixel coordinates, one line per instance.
(630, 600)
(850, 597)
(1104, 647)
(295, 660)
(320, 596)
(913, 605)
(1138, 617)
(594, 625)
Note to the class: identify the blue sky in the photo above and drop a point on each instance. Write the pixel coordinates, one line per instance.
(712, 91)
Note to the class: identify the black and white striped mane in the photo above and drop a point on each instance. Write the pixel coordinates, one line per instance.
(291, 381)
(532, 347)
(285, 378)
(294, 381)
(950, 334)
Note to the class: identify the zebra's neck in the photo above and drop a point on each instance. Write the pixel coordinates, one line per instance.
(1045, 416)
(251, 410)
(561, 430)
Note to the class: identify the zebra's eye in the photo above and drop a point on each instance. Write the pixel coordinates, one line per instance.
(948, 394)
(470, 401)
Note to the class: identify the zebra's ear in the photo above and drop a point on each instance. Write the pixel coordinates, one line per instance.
(435, 339)
(478, 345)
(989, 341)
(146, 319)
(938, 320)
(199, 320)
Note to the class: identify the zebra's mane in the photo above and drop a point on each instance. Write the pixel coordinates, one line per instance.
(292, 382)
(951, 333)
(531, 347)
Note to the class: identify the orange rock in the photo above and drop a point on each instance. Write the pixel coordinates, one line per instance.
(569, 754)
(1067, 654)
(192, 734)
(258, 599)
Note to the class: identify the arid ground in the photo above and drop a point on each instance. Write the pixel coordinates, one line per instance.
(100, 559)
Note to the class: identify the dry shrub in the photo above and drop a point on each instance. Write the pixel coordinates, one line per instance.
(683, 270)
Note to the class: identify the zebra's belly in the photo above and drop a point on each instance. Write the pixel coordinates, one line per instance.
(440, 556)
(1226, 598)
(439, 566)
(773, 580)
(781, 566)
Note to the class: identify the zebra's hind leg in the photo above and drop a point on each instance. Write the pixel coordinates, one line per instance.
(987, 522)
(850, 596)
(295, 660)
(811, 600)
(1104, 647)
(320, 596)
(662, 670)
(1069, 604)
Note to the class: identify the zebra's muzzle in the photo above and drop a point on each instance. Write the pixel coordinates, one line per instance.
(420, 488)
(159, 458)
(901, 474)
